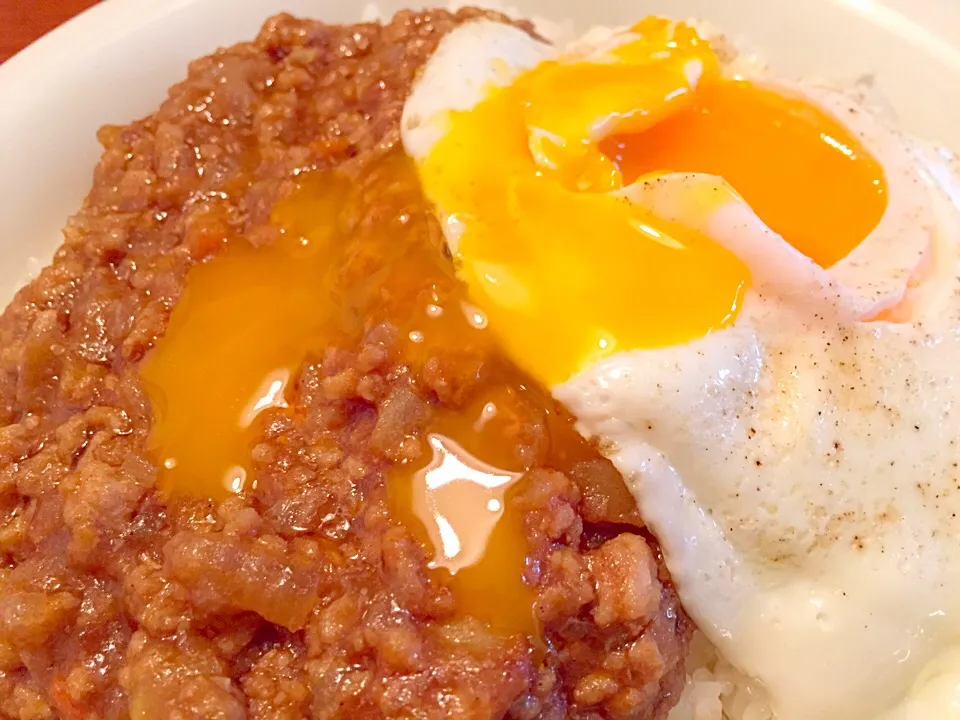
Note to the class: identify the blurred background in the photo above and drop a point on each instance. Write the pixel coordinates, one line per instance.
(23, 21)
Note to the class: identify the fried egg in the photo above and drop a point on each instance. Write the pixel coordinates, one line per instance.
(746, 290)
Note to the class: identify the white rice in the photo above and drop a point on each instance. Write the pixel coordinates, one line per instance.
(715, 689)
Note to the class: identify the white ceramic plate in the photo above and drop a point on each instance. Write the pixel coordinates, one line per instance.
(114, 62)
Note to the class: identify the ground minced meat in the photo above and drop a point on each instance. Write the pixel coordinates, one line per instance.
(120, 601)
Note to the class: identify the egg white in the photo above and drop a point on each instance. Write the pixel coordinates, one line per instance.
(800, 468)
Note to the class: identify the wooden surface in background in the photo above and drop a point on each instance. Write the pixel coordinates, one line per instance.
(23, 21)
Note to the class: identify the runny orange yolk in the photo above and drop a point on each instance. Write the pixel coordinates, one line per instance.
(568, 272)
(798, 167)
(249, 319)
(245, 323)
(252, 316)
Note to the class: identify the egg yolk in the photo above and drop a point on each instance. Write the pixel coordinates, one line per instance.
(251, 316)
(567, 271)
(458, 505)
(804, 174)
(245, 323)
